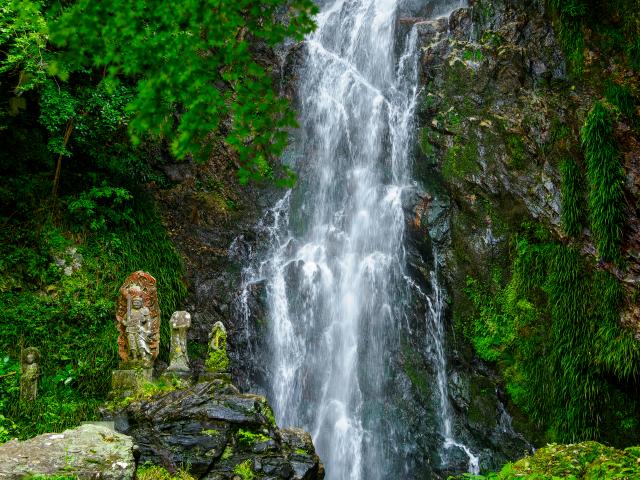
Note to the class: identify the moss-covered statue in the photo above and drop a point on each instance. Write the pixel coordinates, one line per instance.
(179, 361)
(138, 321)
(30, 373)
(217, 362)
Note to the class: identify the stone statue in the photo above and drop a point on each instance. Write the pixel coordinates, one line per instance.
(138, 317)
(29, 374)
(180, 323)
(218, 337)
(217, 361)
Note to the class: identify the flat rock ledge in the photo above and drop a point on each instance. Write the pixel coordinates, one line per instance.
(87, 452)
(217, 433)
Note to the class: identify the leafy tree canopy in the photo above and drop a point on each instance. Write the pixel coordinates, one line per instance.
(198, 78)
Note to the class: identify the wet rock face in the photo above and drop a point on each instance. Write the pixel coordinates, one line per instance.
(217, 432)
(86, 452)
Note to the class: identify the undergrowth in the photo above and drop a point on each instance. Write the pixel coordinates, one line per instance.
(573, 198)
(588, 461)
(553, 328)
(69, 316)
(605, 177)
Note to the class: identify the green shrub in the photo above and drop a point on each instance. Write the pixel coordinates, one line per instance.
(605, 176)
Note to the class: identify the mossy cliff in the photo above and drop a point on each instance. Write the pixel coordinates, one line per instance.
(529, 144)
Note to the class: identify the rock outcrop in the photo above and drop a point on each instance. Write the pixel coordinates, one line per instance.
(217, 433)
(86, 452)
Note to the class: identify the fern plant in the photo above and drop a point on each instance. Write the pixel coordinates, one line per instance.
(605, 176)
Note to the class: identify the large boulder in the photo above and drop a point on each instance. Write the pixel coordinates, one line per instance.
(86, 452)
(217, 433)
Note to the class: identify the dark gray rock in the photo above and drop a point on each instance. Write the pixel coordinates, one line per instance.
(212, 429)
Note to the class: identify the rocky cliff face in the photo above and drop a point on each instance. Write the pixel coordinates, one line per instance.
(500, 112)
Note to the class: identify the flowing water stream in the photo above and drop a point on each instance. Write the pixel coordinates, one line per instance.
(337, 287)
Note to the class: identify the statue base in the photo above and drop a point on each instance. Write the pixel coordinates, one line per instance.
(182, 376)
(125, 383)
(211, 376)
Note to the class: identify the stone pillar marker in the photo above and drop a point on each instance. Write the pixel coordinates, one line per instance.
(138, 324)
(30, 373)
(179, 360)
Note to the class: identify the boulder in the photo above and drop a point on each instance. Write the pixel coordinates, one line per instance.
(87, 452)
(218, 433)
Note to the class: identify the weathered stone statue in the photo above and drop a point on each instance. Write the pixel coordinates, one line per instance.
(217, 362)
(30, 372)
(179, 361)
(138, 318)
(138, 322)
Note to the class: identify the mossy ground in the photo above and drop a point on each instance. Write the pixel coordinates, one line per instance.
(587, 461)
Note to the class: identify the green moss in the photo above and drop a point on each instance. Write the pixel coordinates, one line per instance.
(148, 390)
(474, 55)
(153, 472)
(227, 454)
(248, 439)
(573, 198)
(605, 176)
(517, 151)
(245, 470)
(460, 159)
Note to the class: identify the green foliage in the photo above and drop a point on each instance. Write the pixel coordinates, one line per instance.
(573, 197)
(572, 15)
(633, 53)
(102, 208)
(588, 461)
(23, 36)
(554, 330)
(248, 439)
(517, 151)
(621, 97)
(153, 472)
(472, 55)
(244, 470)
(70, 318)
(606, 177)
(199, 78)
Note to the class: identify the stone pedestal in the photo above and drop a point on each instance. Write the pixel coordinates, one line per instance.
(184, 378)
(125, 383)
(207, 376)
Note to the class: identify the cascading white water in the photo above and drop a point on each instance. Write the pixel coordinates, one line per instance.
(335, 272)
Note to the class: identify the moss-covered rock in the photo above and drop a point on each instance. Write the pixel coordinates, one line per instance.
(587, 461)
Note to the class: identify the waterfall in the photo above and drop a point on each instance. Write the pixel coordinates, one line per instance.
(337, 289)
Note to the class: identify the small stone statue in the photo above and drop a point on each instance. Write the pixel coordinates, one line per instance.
(29, 374)
(180, 323)
(138, 317)
(218, 361)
